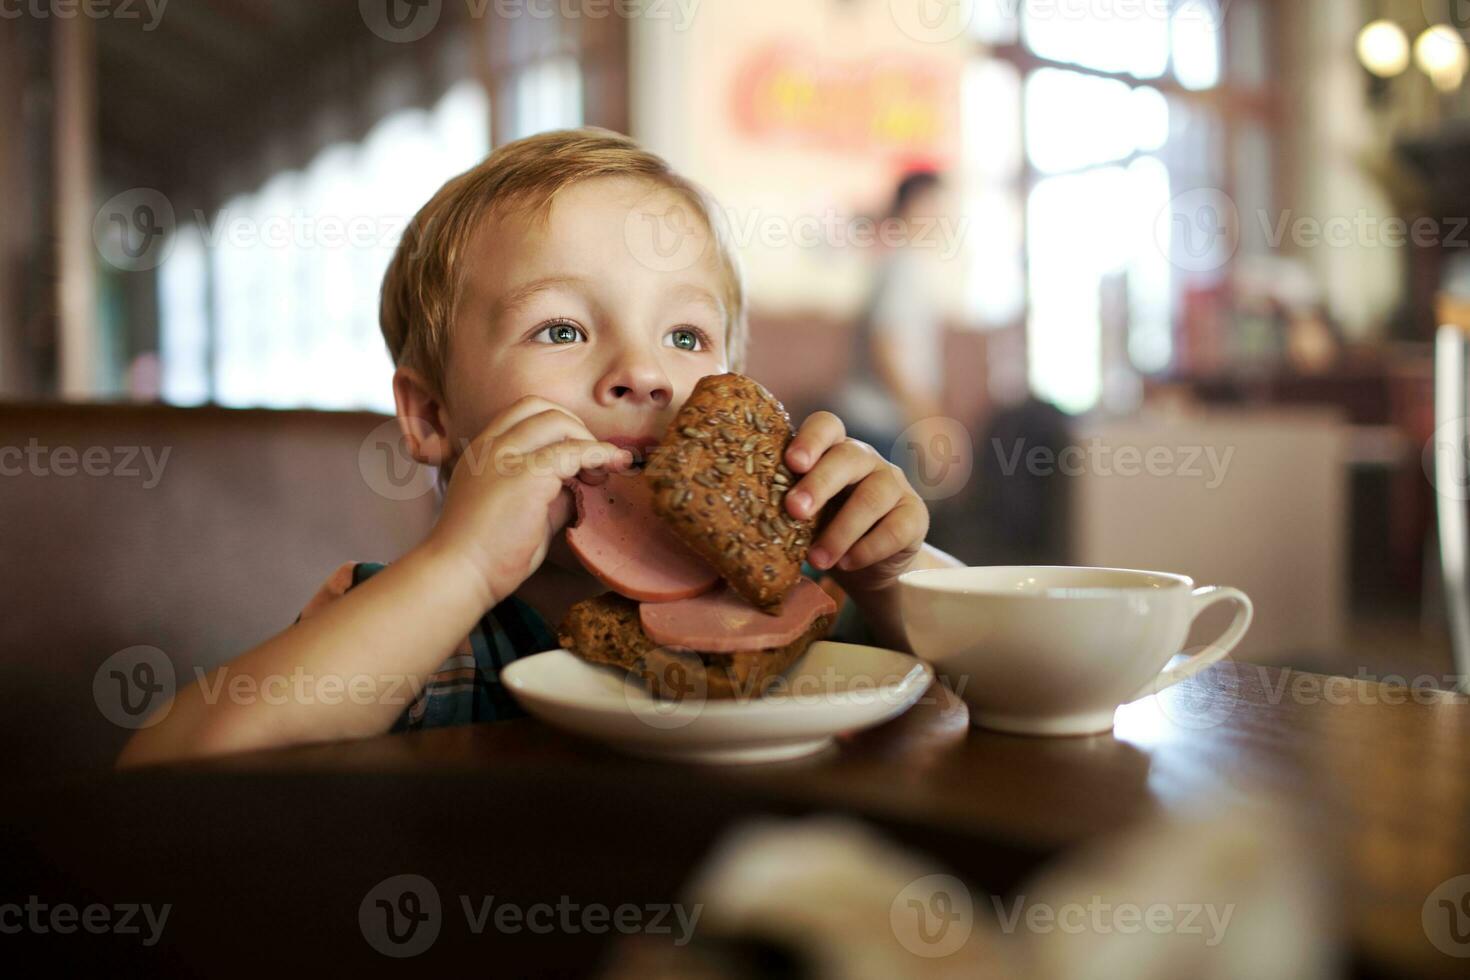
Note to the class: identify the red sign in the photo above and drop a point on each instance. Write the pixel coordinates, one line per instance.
(895, 104)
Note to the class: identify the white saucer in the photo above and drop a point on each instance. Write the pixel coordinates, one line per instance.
(833, 688)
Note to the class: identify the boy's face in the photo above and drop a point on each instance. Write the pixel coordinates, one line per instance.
(573, 306)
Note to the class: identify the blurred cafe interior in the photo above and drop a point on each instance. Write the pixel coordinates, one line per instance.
(1175, 305)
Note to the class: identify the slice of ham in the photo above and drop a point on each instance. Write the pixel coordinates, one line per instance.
(624, 543)
(724, 622)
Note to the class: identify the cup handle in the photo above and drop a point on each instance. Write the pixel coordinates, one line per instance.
(1201, 599)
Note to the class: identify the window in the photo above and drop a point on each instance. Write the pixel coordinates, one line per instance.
(1083, 122)
(546, 95)
(294, 269)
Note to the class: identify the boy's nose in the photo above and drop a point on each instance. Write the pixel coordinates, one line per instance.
(636, 382)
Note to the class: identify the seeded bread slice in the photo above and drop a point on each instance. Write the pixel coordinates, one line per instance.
(672, 673)
(605, 630)
(719, 482)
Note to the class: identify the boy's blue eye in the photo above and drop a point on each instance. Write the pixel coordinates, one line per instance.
(560, 333)
(685, 339)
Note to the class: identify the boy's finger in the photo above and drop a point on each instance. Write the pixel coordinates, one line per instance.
(873, 499)
(842, 465)
(542, 429)
(566, 459)
(523, 409)
(905, 525)
(820, 432)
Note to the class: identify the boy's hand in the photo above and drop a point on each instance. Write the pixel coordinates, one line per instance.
(878, 529)
(505, 500)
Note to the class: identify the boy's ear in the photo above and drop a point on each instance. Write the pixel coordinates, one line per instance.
(423, 418)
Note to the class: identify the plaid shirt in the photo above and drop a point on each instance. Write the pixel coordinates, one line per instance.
(466, 687)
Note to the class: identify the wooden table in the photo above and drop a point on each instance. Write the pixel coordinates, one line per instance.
(263, 852)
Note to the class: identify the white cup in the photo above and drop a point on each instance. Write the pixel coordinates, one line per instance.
(1054, 650)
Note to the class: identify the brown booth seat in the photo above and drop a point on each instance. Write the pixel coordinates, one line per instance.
(201, 557)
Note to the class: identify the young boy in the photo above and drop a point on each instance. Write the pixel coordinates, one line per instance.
(544, 329)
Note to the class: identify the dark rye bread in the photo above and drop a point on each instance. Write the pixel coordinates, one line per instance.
(719, 481)
(605, 630)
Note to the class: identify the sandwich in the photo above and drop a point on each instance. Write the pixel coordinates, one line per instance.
(701, 559)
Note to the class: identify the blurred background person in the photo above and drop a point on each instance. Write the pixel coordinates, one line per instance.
(896, 378)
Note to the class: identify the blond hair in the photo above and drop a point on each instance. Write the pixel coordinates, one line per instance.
(422, 285)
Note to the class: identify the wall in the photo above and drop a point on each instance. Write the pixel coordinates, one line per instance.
(1332, 142)
(711, 95)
